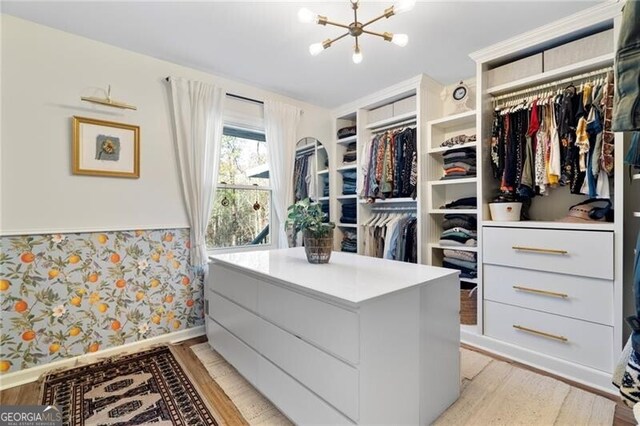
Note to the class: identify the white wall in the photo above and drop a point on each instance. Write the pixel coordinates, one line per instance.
(44, 73)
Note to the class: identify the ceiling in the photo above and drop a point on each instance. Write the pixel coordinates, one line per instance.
(263, 44)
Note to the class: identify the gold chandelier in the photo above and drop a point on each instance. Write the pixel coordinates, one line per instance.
(356, 28)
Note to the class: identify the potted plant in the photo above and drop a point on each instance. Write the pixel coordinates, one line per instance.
(308, 217)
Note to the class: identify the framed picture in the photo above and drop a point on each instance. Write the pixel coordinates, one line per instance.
(105, 148)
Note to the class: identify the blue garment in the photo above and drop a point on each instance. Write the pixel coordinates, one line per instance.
(626, 101)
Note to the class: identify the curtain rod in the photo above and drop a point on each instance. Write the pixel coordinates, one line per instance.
(231, 95)
(552, 84)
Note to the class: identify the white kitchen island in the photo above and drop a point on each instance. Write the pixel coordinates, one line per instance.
(356, 341)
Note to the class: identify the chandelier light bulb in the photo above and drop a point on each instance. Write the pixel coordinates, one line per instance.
(357, 56)
(400, 6)
(315, 49)
(400, 39)
(306, 16)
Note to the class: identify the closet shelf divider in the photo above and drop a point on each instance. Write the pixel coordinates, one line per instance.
(636, 176)
(397, 120)
(455, 120)
(347, 140)
(443, 149)
(556, 74)
(347, 225)
(453, 181)
(323, 198)
(347, 197)
(348, 167)
(636, 214)
(323, 172)
(470, 280)
(453, 211)
(445, 247)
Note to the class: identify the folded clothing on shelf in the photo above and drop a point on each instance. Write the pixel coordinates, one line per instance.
(349, 182)
(462, 203)
(467, 256)
(345, 132)
(459, 162)
(349, 242)
(324, 206)
(459, 237)
(350, 155)
(466, 221)
(464, 267)
(349, 213)
(458, 140)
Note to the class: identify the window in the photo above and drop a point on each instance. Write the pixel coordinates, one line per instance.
(242, 204)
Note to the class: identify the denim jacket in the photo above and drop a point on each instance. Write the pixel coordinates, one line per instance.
(626, 108)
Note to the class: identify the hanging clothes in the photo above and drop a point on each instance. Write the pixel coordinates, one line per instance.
(390, 165)
(552, 140)
(304, 171)
(392, 236)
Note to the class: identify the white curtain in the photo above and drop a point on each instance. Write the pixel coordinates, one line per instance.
(280, 125)
(197, 115)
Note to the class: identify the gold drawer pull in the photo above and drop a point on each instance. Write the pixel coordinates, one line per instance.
(542, 292)
(541, 333)
(539, 250)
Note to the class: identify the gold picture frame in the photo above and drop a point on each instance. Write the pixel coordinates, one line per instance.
(105, 148)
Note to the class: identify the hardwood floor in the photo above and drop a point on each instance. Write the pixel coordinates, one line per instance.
(29, 393)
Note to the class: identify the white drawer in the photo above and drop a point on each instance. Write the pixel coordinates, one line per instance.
(576, 297)
(236, 286)
(239, 321)
(300, 404)
(584, 253)
(241, 356)
(333, 380)
(586, 343)
(331, 328)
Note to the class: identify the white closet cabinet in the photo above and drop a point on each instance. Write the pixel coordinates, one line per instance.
(550, 293)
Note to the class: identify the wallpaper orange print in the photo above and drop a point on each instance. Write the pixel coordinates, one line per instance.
(64, 295)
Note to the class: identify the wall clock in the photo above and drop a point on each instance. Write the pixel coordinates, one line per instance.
(460, 97)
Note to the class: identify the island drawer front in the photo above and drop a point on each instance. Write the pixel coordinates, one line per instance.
(327, 326)
(239, 321)
(302, 406)
(583, 253)
(236, 286)
(583, 298)
(241, 356)
(333, 380)
(586, 343)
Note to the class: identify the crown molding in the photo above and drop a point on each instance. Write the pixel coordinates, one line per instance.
(584, 19)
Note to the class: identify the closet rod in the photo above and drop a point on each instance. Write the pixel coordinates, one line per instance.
(231, 95)
(399, 125)
(553, 84)
(393, 209)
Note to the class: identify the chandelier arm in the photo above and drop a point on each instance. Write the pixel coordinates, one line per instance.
(374, 20)
(335, 24)
(386, 36)
(338, 38)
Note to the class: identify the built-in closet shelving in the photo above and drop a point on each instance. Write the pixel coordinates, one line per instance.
(441, 191)
(410, 103)
(549, 292)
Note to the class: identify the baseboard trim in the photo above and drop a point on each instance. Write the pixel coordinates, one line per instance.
(34, 373)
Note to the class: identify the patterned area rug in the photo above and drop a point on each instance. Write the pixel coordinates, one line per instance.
(140, 388)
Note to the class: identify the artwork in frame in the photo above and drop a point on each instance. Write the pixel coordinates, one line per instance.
(105, 148)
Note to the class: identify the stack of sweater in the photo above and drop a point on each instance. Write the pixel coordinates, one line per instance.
(462, 203)
(349, 243)
(349, 214)
(459, 230)
(349, 178)
(346, 132)
(349, 157)
(459, 163)
(464, 261)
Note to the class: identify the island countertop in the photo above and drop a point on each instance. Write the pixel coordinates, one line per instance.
(348, 277)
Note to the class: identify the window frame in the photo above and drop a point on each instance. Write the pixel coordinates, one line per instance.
(273, 222)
